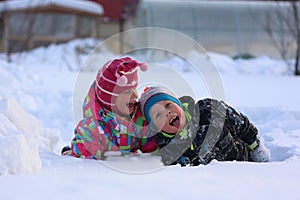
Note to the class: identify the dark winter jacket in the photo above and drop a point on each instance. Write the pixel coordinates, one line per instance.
(214, 131)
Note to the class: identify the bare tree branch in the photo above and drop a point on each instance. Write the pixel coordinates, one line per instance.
(283, 28)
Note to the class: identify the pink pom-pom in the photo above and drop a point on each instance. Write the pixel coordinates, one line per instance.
(122, 81)
(143, 66)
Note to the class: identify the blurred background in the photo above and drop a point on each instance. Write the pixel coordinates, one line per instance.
(240, 29)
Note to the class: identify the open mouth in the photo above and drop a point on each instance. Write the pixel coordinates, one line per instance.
(131, 104)
(175, 121)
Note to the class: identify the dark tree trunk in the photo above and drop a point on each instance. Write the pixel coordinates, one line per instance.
(297, 24)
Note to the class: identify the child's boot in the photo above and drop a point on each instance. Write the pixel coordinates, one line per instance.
(65, 150)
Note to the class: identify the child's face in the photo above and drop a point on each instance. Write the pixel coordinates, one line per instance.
(126, 101)
(167, 116)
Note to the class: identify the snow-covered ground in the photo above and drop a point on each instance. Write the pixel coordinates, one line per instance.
(36, 120)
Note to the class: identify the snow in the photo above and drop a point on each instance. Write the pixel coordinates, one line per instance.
(37, 98)
(86, 6)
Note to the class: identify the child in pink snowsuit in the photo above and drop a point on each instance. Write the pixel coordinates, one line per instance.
(112, 119)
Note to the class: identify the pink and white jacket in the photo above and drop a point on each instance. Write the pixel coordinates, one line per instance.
(101, 130)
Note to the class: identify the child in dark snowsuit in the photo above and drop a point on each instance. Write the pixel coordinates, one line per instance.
(193, 134)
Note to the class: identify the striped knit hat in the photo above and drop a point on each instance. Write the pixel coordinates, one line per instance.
(115, 77)
(153, 95)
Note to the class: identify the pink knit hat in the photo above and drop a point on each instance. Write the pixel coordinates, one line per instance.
(115, 77)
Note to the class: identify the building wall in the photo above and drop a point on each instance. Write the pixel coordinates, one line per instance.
(43, 28)
(231, 27)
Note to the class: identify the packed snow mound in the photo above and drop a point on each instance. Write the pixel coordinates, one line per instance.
(22, 138)
(19, 151)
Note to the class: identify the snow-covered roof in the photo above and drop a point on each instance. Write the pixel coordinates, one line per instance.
(80, 5)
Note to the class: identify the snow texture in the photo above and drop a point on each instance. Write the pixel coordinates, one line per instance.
(36, 121)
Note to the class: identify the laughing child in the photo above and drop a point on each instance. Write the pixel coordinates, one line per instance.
(112, 120)
(193, 134)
